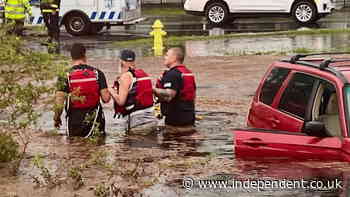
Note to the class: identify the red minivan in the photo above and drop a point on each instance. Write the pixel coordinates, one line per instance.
(300, 110)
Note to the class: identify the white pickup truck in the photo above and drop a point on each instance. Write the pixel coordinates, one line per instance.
(82, 17)
(221, 11)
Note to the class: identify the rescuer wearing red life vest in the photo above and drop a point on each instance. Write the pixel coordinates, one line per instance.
(176, 91)
(133, 94)
(85, 86)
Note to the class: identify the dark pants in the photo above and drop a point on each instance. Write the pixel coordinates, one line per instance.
(17, 29)
(84, 123)
(52, 25)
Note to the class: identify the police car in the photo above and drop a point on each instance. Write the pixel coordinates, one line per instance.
(81, 17)
(221, 11)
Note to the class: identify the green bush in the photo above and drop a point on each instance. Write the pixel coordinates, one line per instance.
(26, 77)
(8, 147)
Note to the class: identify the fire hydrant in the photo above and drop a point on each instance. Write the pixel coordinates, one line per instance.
(158, 34)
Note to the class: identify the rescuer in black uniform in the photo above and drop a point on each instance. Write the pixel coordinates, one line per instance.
(50, 11)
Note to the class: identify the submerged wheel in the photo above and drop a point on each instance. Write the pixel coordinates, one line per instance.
(217, 13)
(304, 12)
(77, 24)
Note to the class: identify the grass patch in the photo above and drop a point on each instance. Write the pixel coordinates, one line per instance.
(163, 11)
(177, 40)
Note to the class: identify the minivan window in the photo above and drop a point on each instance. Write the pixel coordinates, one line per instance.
(272, 84)
(296, 96)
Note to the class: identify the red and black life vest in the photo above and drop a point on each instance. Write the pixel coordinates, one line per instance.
(140, 95)
(188, 91)
(84, 88)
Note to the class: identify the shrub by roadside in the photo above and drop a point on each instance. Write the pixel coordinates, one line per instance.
(25, 79)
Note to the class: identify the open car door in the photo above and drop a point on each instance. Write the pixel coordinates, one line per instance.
(263, 144)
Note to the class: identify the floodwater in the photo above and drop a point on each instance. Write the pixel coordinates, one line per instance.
(222, 105)
(223, 101)
(223, 47)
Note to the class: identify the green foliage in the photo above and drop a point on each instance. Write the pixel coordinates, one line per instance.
(101, 190)
(75, 173)
(302, 50)
(99, 158)
(47, 179)
(8, 147)
(25, 77)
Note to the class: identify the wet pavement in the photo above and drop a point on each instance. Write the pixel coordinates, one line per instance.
(105, 45)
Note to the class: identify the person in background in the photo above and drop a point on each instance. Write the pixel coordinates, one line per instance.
(15, 13)
(50, 11)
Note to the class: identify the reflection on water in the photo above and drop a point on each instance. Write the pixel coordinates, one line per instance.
(225, 47)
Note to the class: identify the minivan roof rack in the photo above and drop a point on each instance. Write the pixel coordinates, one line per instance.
(326, 62)
(297, 57)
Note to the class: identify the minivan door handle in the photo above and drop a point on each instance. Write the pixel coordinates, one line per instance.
(254, 142)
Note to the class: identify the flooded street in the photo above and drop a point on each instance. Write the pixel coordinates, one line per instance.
(222, 105)
(227, 76)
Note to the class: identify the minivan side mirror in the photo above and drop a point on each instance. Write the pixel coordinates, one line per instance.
(316, 128)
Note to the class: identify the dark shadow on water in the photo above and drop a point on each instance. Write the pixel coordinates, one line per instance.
(211, 135)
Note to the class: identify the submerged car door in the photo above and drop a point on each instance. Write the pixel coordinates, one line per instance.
(265, 144)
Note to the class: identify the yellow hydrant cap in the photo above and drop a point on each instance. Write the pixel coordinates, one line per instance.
(157, 24)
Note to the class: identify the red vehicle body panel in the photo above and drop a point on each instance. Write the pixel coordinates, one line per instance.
(275, 133)
(264, 144)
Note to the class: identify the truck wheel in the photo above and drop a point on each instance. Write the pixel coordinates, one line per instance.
(304, 12)
(217, 13)
(95, 28)
(77, 24)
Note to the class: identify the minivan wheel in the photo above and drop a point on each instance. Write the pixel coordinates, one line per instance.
(77, 24)
(304, 12)
(217, 13)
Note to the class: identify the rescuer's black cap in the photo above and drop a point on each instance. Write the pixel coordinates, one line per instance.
(127, 55)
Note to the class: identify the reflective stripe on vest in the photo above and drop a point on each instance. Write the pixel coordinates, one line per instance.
(188, 74)
(50, 10)
(144, 78)
(14, 5)
(15, 9)
(82, 80)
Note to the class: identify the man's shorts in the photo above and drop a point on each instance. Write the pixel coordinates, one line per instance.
(141, 122)
(85, 123)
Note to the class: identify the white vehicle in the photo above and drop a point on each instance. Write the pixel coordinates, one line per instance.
(81, 17)
(2, 11)
(221, 11)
